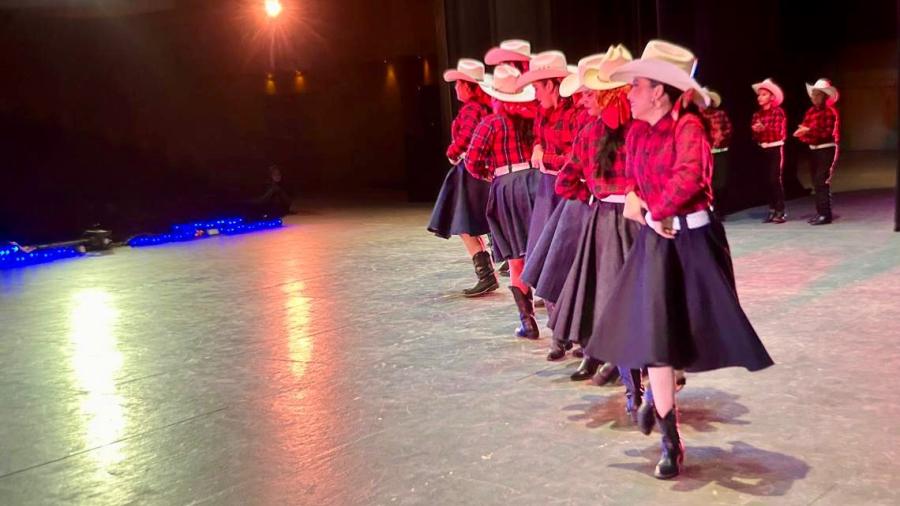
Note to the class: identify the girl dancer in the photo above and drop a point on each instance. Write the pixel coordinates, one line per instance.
(462, 201)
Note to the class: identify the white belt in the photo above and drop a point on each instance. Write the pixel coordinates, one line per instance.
(516, 167)
(823, 146)
(612, 199)
(694, 220)
(766, 145)
(716, 151)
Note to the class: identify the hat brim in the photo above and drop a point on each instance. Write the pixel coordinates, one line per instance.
(663, 72)
(592, 81)
(773, 89)
(831, 91)
(533, 76)
(570, 86)
(715, 99)
(496, 56)
(453, 75)
(525, 95)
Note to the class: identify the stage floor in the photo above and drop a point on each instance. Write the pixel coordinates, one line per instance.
(333, 362)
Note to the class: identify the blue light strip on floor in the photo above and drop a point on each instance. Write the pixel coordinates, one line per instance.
(12, 255)
(196, 230)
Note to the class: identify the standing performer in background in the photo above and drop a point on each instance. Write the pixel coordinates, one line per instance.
(720, 139)
(820, 130)
(462, 202)
(500, 152)
(661, 317)
(554, 130)
(769, 125)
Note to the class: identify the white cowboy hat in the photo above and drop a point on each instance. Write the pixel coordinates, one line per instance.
(666, 63)
(598, 77)
(546, 65)
(714, 97)
(467, 69)
(572, 82)
(503, 86)
(825, 86)
(769, 85)
(509, 50)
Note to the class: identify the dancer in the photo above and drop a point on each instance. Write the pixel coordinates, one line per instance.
(820, 131)
(720, 138)
(500, 152)
(769, 126)
(462, 201)
(662, 316)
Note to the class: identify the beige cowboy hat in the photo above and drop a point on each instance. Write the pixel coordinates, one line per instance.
(467, 69)
(546, 65)
(666, 63)
(714, 97)
(507, 51)
(572, 83)
(769, 85)
(825, 86)
(598, 77)
(504, 87)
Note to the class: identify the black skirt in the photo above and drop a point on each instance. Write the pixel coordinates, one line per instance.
(548, 264)
(605, 241)
(545, 202)
(509, 211)
(676, 304)
(461, 205)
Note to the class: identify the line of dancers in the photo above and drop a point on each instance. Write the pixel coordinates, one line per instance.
(595, 183)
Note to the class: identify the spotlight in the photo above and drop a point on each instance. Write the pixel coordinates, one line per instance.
(273, 8)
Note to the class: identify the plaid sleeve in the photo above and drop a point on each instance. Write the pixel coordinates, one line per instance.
(689, 174)
(477, 156)
(463, 128)
(567, 131)
(821, 126)
(570, 181)
(630, 180)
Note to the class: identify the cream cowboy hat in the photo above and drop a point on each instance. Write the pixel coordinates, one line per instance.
(825, 86)
(769, 85)
(666, 63)
(467, 69)
(714, 97)
(598, 77)
(546, 65)
(571, 84)
(503, 86)
(509, 50)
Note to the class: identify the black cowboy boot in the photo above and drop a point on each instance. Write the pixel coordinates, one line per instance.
(578, 352)
(503, 270)
(525, 303)
(820, 220)
(646, 413)
(672, 458)
(587, 369)
(609, 372)
(484, 269)
(779, 217)
(631, 378)
(558, 349)
(769, 217)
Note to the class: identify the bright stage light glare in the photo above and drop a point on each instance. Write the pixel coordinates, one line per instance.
(273, 8)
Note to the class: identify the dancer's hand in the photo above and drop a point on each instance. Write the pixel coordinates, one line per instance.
(665, 227)
(634, 208)
(537, 156)
(758, 127)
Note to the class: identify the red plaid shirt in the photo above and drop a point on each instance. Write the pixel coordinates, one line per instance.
(495, 143)
(554, 130)
(669, 164)
(775, 123)
(719, 127)
(463, 126)
(823, 125)
(582, 176)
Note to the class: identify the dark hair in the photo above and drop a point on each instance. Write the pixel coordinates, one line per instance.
(690, 108)
(611, 142)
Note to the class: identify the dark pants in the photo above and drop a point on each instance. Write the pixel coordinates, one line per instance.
(773, 161)
(720, 180)
(821, 167)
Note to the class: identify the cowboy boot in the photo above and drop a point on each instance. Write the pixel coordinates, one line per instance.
(631, 378)
(646, 413)
(484, 269)
(525, 303)
(609, 372)
(671, 460)
(558, 349)
(503, 270)
(587, 369)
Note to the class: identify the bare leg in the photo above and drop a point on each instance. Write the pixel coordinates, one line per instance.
(662, 381)
(473, 244)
